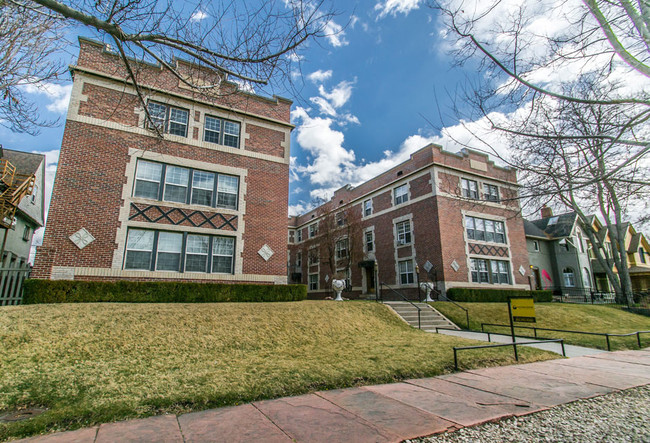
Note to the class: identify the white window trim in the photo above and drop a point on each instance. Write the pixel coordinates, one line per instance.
(409, 218)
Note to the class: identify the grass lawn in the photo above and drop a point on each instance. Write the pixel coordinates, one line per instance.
(574, 317)
(94, 363)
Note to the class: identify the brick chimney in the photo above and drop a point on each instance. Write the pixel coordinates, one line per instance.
(546, 212)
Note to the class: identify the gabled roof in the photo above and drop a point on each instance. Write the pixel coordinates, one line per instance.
(26, 163)
(557, 226)
(532, 230)
(635, 242)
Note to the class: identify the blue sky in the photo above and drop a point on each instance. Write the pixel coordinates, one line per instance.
(371, 92)
(376, 91)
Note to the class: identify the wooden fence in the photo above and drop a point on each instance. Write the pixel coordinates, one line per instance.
(11, 284)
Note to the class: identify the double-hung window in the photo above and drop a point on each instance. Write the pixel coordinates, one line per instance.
(185, 185)
(490, 193)
(403, 232)
(196, 253)
(406, 275)
(490, 271)
(227, 189)
(479, 269)
(170, 247)
(222, 132)
(341, 248)
(370, 241)
(202, 188)
(299, 235)
(298, 258)
(176, 179)
(223, 251)
(313, 230)
(178, 252)
(139, 249)
(147, 180)
(500, 271)
(485, 230)
(341, 219)
(367, 208)
(168, 119)
(470, 188)
(313, 256)
(401, 194)
(313, 282)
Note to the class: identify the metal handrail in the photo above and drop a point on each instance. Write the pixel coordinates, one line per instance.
(602, 334)
(405, 299)
(461, 307)
(500, 345)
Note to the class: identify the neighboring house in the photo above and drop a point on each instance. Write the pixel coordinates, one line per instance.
(638, 256)
(558, 251)
(457, 211)
(30, 213)
(206, 203)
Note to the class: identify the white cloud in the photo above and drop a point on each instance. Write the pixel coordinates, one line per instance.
(320, 76)
(198, 16)
(394, 7)
(59, 95)
(325, 145)
(339, 95)
(335, 34)
(300, 208)
(349, 118)
(324, 106)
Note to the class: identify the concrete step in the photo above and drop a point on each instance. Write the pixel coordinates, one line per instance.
(429, 317)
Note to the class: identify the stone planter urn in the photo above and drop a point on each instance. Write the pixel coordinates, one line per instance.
(427, 287)
(338, 286)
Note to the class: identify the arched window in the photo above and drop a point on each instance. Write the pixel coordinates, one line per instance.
(586, 279)
(569, 278)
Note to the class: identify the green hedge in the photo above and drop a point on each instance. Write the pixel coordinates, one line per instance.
(68, 291)
(496, 295)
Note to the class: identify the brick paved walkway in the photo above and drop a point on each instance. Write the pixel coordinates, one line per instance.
(389, 413)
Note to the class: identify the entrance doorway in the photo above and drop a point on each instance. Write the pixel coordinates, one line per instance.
(538, 279)
(369, 278)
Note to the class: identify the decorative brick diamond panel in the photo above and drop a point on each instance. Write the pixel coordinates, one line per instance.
(82, 238)
(265, 252)
(176, 216)
(495, 251)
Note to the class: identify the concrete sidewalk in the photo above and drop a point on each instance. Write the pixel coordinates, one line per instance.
(392, 412)
(570, 350)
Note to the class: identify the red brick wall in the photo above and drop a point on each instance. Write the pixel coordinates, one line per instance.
(88, 191)
(93, 56)
(110, 105)
(92, 164)
(265, 141)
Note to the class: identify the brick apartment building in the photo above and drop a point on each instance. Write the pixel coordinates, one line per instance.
(458, 211)
(207, 203)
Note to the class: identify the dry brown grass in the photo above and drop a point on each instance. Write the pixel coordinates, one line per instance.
(92, 363)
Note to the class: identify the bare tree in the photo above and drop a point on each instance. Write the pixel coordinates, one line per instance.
(571, 102)
(252, 43)
(340, 238)
(29, 40)
(572, 156)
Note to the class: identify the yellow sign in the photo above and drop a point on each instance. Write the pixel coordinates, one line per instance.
(522, 310)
